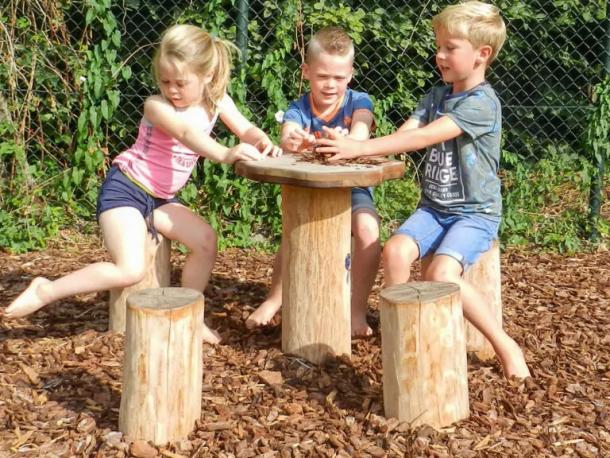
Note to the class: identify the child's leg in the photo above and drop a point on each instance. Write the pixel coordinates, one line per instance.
(365, 263)
(467, 237)
(177, 222)
(399, 253)
(416, 237)
(126, 248)
(447, 268)
(267, 310)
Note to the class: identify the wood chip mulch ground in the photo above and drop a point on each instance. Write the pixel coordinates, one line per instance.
(60, 373)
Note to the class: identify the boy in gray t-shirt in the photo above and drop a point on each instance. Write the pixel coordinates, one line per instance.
(460, 174)
(459, 125)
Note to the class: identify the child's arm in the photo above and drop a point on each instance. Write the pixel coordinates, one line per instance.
(411, 123)
(162, 114)
(245, 130)
(362, 120)
(404, 139)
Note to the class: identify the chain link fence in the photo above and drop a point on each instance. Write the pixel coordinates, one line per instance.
(556, 52)
(554, 55)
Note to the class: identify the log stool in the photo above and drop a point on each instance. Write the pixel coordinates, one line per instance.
(158, 271)
(162, 372)
(424, 353)
(486, 277)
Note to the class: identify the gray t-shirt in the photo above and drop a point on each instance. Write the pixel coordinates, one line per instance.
(461, 175)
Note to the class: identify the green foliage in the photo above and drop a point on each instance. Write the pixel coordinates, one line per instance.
(545, 202)
(53, 74)
(395, 200)
(77, 72)
(598, 127)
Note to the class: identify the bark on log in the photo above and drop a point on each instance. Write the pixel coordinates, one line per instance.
(162, 372)
(316, 321)
(485, 275)
(158, 271)
(424, 354)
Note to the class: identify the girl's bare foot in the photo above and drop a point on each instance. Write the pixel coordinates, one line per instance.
(28, 301)
(360, 327)
(513, 361)
(210, 336)
(263, 314)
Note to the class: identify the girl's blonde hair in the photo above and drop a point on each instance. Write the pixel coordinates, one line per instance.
(188, 46)
(479, 23)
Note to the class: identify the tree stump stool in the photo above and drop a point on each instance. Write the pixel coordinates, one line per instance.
(162, 371)
(425, 376)
(316, 219)
(158, 272)
(484, 275)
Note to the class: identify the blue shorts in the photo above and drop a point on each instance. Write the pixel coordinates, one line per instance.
(119, 191)
(363, 198)
(463, 237)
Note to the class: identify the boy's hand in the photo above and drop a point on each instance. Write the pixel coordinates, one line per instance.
(340, 146)
(298, 140)
(341, 131)
(267, 148)
(243, 152)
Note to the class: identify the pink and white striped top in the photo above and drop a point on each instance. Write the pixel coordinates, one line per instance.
(158, 162)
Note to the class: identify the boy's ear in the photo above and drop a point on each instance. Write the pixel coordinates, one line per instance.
(485, 52)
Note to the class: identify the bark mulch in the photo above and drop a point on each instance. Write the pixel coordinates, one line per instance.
(60, 373)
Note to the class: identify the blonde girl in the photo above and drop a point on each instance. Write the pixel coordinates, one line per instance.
(192, 69)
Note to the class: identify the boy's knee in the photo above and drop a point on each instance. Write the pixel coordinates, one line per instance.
(366, 232)
(399, 250)
(444, 270)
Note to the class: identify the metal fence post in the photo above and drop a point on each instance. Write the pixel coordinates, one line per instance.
(242, 30)
(595, 196)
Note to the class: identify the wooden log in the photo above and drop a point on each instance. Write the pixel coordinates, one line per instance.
(425, 378)
(162, 372)
(158, 271)
(316, 321)
(485, 276)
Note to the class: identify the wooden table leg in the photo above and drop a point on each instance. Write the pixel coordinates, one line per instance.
(316, 319)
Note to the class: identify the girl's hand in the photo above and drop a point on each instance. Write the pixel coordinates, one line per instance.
(243, 152)
(298, 140)
(267, 148)
(340, 146)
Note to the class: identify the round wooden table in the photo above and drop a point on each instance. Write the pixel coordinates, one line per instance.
(316, 219)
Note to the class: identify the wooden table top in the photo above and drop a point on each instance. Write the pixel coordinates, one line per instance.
(288, 169)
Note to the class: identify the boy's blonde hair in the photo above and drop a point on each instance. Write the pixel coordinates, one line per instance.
(331, 40)
(479, 23)
(190, 47)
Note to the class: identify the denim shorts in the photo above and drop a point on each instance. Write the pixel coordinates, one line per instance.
(363, 198)
(119, 191)
(464, 237)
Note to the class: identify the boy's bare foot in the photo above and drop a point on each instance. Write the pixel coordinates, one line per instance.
(360, 328)
(210, 336)
(28, 301)
(263, 314)
(513, 361)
